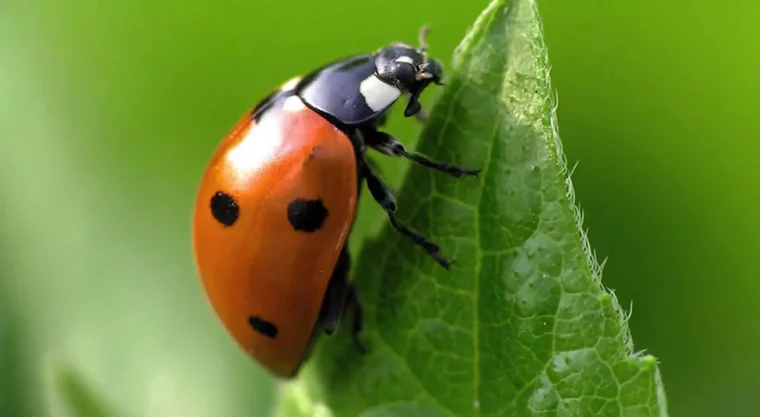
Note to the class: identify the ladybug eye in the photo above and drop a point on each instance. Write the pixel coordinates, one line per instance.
(404, 73)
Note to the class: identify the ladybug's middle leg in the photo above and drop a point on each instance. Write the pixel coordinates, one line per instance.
(384, 195)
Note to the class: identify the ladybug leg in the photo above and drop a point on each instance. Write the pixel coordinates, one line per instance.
(384, 196)
(414, 108)
(381, 119)
(388, 145)
(353, 302)
(334, 302)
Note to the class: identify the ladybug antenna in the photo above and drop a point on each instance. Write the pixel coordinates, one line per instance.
(422, 39)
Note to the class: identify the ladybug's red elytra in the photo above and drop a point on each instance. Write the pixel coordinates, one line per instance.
(277, 201)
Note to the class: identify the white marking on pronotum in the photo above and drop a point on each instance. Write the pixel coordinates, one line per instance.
(293, 104)
(377, 93)
(406, 59)
(290, 84)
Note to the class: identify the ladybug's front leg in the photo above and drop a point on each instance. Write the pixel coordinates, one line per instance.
(388, 145)
(414, 108)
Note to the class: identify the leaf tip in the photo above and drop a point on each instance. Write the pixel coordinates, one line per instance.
(480, 24)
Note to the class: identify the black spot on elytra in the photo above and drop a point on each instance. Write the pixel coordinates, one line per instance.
(224, 208)
(307, 215)
(262, 326)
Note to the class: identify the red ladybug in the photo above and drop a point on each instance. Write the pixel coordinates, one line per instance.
(277, 201)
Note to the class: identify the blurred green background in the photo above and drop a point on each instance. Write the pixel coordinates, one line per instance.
(110, 110)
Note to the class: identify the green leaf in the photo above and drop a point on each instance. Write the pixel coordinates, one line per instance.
(76, 397)
(521, 325)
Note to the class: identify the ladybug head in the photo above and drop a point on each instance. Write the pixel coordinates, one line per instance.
(408, 68)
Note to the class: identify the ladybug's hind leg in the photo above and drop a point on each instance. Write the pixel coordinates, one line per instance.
(383, 195)
(353, 302)
(335, 297)
(340, 296)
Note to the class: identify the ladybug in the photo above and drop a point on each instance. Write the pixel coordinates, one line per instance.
(277, 201)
